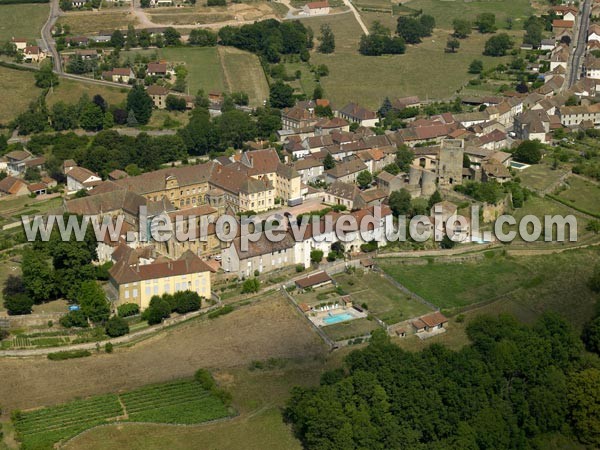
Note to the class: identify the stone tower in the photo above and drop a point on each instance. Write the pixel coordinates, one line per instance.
(449, 170)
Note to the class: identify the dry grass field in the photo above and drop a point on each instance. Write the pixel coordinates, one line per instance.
(242, 72)
(270, 328)
(70, 91)
(83, 22)
(22, 21)
(425, 70)
(18, 91)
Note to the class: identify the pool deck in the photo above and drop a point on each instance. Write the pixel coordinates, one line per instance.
(318, 317)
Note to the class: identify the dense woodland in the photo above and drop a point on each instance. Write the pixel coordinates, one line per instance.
(514, 387)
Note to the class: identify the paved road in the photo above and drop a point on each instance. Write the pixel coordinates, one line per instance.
(47, 38)
(579, 45)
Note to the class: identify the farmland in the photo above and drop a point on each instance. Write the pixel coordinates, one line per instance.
(583, 194)
(540, 177)
(368, 79)
(524, 285)
(269, 328)
(70, 91)
(242, 72)
(176, 402)
(22, 21)
(18, 91)
(82, 22)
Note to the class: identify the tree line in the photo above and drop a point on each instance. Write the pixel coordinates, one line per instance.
(514, 386)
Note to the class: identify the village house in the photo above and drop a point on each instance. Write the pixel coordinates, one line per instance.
(18, 161)
(87, 54)
(314, 281)
(132, 282)
(13, 186)
(494, 171)
(158, 94)
(346, 171)
(76, 41)
(344, 194)
(157, 69)
(574, 115)
(594, 33)
(591, 67)
(33, 54)
(296, 117)
(316, 8)
(262, 255)
(390, 183)
(431, 322)
(80, 178)
(353, 112)
(119, 75)
(310, 169)
(20, 44)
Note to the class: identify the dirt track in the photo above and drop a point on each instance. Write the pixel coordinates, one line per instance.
(267, 329)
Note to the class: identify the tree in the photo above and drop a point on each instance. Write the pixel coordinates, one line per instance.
(281, 95)
(529, 152)
(452, 44)
(534, 33)
(411, 29)
(108, 121)
(38, 277)
(186, 301)
(476, 66)
(202, 38)
(172, 37)
(498, 45)
(175, 103)
(92, 301)
(428, 24)
(32, 174)
(64, 117)
(74, 319)
(250, 286)
(364, 179)
(327, 40)
(131, 120)
(316, 256)
(158, 310)
(385, 107)
(317, 92)
(131, 39)
(404, 158)
(116, 326)
(584, 398)
(140, 103)
(486, 22)
(400, 202)
(462, 28)
(591, 335)
(117, 39)
(100, 102)
(45, 77)
(328, 162)
(18, 304)
(31, 122)
(436, 197)
(91, 117)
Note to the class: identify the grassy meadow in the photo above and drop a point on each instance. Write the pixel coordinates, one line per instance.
(70, 91)
(22, 21)
(83, 22)
(582, 193)
(425, 69)
(18, 91)
(242, 72)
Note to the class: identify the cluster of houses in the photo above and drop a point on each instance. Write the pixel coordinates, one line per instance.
(14, 164)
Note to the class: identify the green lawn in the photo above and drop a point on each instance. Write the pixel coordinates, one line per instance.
(70, 91)
(350, 329)
(22, 21)
(526, 285)
(539, 176)
(383, 299)
(84, 22)
(175, 402)
(445, 11)
(242, 72)
(204, 68)
(18, 91)
(368, 79)
(582, 194)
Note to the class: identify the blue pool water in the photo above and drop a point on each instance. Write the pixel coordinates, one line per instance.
(337, 318)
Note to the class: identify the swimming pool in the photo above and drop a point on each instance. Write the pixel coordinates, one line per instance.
(518, 165)
(337, 318)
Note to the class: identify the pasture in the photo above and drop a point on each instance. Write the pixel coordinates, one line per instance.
(582, 193)
(242, 72)
(84, 22)
(18, 91)
(369, 79)
(184, 402)
(540, 177)
(70, 91)
(350, 329)
(525, 286)
(22, 21)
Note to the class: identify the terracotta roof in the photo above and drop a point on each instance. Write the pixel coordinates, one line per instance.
(11, 185)
(343, 190)
(357, 112)
(157, 68)
(562, 23)
(345, 168)
(434, 319)
(313, 280)
(263, 246)
(318, 5)
(80, 174)
(103, 203)
(18, 155)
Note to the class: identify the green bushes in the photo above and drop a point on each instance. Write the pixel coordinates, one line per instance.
(220, 312)
(116, 326)
(158, 310)
(128, 309)
(74, 319)
(250, 286)
(18, 304)
(60, 356)
(161, 307)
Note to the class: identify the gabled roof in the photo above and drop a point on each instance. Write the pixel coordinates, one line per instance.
(348, 167)
(313, 280)
(155, 89)
(11, 185)
(81, 174)
(357, 112)
(343, 190)
(157, 68)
